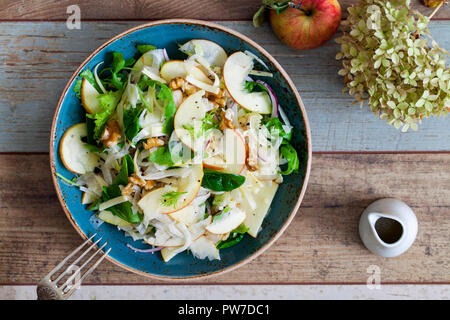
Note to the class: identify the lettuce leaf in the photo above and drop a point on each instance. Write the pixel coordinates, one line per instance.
(131, 122)
(108, 102)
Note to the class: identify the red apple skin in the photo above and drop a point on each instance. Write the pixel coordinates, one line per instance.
(301, 31)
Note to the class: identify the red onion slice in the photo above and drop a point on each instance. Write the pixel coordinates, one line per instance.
(152, 250)
(273, 98)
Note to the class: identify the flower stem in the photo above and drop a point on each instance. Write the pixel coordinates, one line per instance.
(436, 9)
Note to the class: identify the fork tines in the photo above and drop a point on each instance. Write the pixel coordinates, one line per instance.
(73, 273)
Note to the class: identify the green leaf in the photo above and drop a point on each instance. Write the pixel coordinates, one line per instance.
(118, 62)
(126, 170)
(95, 205)
(161, 156)
(108, 103)
(89, 76)
(219, 181)
(165, 94)
(122, 210)
(170, 199)
(235, 237)
(144, 101)
(144, 48)
(241, 229)
(259, 17)
(290, 154)
(229, 242)
(275, 127)
(77, 88)
(117, 78)
(252, 86)
(131, 122)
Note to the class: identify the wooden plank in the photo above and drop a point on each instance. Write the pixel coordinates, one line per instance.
(150, 10)
(38, 58)
(320, 246)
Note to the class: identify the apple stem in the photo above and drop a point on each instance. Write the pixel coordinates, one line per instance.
(299, 7)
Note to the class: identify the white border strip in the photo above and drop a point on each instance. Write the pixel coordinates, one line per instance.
(244, 292)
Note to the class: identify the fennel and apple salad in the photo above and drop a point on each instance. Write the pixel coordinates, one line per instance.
(181, 154)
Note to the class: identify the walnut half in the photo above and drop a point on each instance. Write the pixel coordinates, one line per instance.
(111, 134)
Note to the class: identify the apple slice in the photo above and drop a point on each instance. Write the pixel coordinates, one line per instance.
(227, 221)
(177, 68)
(152, 60)
(188, 215)
(108, 217)
(215, 163)
(95, 187)
(89, 97)
(233, 156)
(257, 196)
(214, 54)
(188, 120)
(204, 248)
(153, 203)
(235, 152)
(168, 253)
(74, 154)
(235, 71)
(201, 248)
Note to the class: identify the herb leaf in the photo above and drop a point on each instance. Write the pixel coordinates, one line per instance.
(164, 95)
(275, 127)
(290, 154)
(219, 181)
(122, 210)
(144, 48)
(108, 102)
(126, 170)
(131, 122)
(162, 156)
(252, 86)
(89, 76)
(77, 88)
(235, 237)
(170, 199)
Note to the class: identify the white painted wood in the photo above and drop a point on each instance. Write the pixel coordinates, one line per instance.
(37, 58)
(241, 292)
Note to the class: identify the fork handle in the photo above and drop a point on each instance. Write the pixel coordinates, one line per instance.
(47, 293)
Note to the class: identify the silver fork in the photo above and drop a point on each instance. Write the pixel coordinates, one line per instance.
(48, 289)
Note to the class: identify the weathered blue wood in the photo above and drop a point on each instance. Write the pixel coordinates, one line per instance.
(37, 58)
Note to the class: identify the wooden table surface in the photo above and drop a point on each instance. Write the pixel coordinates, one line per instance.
(357, 158)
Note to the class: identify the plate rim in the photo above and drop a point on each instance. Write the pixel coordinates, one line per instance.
(279, 68)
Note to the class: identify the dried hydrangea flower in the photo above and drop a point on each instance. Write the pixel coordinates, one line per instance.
(388, 62)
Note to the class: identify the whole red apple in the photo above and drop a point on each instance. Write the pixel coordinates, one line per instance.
(307, 24)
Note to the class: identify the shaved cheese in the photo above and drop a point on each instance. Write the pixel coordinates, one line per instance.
(97, 79)
(187, 237)
(149, 72)
(113, 202)
(261, 73)
(202, 85)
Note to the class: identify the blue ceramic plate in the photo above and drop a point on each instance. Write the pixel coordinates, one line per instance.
(168, 34)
